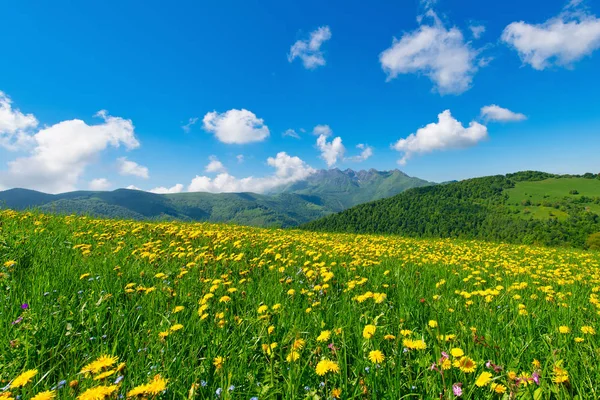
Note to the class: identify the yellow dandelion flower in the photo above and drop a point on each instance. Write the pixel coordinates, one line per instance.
(560, 375)
(467, 365)
(336, 393)
(176, 327)
(498, 388)
(325, 366)
(483, 379)
(104, 375)
(376, 357)
(406, 332)
(389, 337)
(588, 330)
(324, 336)
(369, 331)
(292, 356)
(218, 362)
(23, 379)
(457, 352)
(102, 362)
(298, 344)
(98, 393)
(47, 395)
(263, 309)
(225, 299)
(564, 329)
(178, 309)
(432, 323)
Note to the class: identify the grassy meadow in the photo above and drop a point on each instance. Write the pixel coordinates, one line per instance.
(106, 309)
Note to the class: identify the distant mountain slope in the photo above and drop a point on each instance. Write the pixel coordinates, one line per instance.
(324, 193)
(526, 207)
(344, 189)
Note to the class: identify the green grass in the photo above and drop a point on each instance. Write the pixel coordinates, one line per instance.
(552, 189)
(98, 287)
(540, 212)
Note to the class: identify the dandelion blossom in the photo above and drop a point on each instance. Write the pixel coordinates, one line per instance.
(324, 336)
(376, 357)
(483, 379)
(47, 395)
(369, 331)
(23, 379)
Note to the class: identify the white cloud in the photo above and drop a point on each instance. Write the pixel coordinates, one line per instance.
(99, 184)
(367, 151)
(178, 188)
(560, 41)
(133, 187)
(240, 158)
(331, 151)
(14, 125)
(309, 50)
(291, 133)
(215, 165)
(287, 170)
(324, 130)
(60, 153)
(236, 126)
(497, 113)
(435, 51)
(447, 133)
(186, 128)
(477, 30)
(127, 167)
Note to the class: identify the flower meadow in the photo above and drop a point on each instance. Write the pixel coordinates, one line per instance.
(105, 309)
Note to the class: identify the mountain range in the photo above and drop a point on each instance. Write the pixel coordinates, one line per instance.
(322, 193)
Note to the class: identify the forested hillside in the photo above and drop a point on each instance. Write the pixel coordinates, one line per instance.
(497, 208)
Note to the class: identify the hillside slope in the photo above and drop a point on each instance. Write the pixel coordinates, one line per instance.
(344, 189)
(325, 192)
(497, 208)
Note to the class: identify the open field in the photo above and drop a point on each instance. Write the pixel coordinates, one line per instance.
(95, 309)
(553, 189)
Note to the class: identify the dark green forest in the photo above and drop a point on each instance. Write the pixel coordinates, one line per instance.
(477, 209)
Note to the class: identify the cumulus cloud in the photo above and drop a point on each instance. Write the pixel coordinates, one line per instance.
(14, 125)
(560, 41)
(236, 126)
(447, 133)
(288, 169)
(178, 188)
(186, 128)
(127, 167)
(309, 50)
(133, 187)
(215, 165)
(99, 184)
(435, 51)
(367, 151)
(497, 113)
(324, 130)
(332, 151)
(240, 158)
(59, 154)
(291, 133)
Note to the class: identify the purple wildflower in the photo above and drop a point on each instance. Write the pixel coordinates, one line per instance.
(457, 389)
(24, 306)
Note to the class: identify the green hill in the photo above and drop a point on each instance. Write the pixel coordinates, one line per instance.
(344, 189)
(527, 207)
(325, 192)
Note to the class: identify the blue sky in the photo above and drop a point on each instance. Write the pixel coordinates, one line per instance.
(155, 66)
